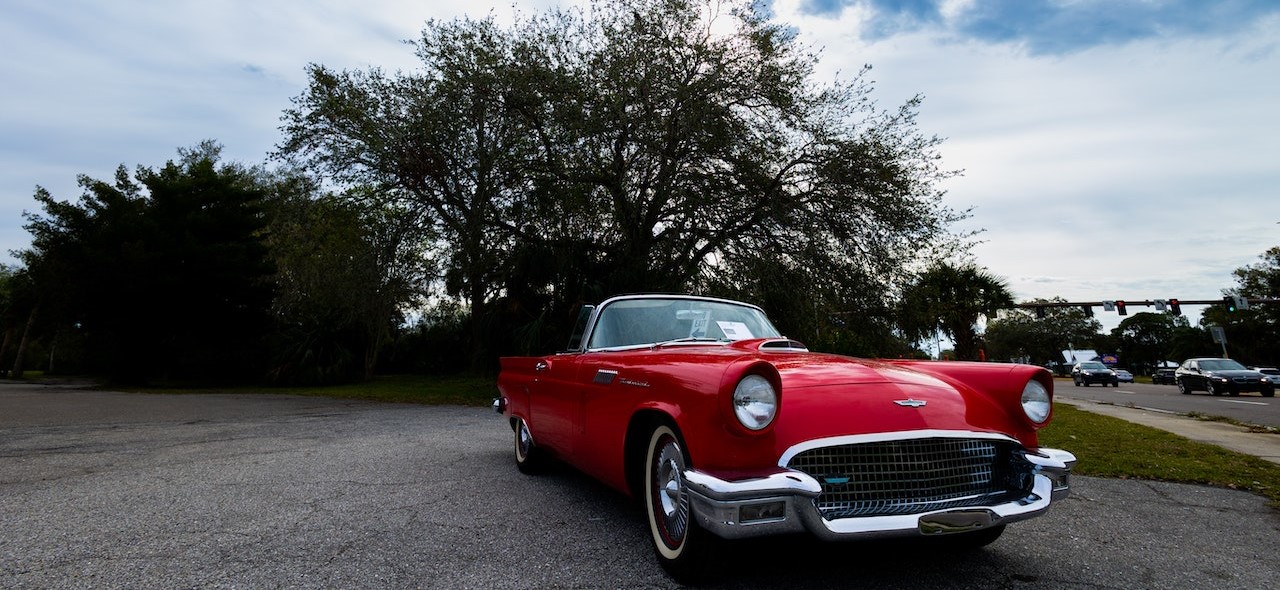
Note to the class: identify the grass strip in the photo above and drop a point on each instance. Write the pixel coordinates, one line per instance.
(1110, 447)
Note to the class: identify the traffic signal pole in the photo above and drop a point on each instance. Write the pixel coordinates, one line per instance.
(1172, 305)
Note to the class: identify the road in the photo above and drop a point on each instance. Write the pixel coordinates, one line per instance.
(1251, 408)
(116, 490)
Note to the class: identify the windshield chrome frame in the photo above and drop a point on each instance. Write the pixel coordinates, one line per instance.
(595, 318)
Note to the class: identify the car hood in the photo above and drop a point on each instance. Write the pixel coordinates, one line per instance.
(828, 396)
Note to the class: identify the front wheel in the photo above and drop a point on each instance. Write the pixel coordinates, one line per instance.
(682, 547)
(1269, 392)
(1182, 387)
(1212, 389)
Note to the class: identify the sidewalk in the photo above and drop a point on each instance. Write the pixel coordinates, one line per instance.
(1223, 434)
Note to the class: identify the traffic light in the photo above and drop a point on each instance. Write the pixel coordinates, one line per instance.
(1174, 308)
(1088, 310)
(1040, 312)
(1120, 308)
(1230, 302)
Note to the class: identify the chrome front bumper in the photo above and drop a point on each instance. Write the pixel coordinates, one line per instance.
(783, 502)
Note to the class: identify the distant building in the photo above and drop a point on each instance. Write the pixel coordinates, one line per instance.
(1076, 356)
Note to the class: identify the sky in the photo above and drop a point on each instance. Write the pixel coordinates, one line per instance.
(1110, 149)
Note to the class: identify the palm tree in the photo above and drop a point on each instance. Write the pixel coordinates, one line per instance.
(950, 298)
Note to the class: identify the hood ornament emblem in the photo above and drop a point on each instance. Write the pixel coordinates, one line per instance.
(910, 403)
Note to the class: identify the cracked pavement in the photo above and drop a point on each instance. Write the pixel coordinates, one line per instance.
(116, 490)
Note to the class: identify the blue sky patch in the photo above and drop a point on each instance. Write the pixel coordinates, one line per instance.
(1056, 26)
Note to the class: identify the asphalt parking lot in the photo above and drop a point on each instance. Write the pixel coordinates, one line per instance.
(115, 490)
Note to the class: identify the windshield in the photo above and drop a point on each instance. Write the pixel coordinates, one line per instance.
(1093, 366)
(652, 320)
(1221, 365)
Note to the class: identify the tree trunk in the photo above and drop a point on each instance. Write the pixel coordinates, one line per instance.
(4, 348)
(22, 345)
(478, 336)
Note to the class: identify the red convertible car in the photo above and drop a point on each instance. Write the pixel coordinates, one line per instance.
(725, 429)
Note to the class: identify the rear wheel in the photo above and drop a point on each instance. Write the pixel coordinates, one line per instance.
(681, 546)
(529, 457)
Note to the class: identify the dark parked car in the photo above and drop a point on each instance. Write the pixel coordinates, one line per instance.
(1218, 376)
(1165, 376)
(1089, 372)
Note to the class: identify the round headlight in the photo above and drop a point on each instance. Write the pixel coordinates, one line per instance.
(1035, 401)
(755, 402)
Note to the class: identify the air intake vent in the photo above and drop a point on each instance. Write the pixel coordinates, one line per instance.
(783, 346)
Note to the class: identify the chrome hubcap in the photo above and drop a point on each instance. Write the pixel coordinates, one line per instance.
(525, 441)
(673, 503)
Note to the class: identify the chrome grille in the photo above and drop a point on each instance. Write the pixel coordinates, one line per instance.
(912, 476)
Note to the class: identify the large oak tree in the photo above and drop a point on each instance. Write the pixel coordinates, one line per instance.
(665, 145)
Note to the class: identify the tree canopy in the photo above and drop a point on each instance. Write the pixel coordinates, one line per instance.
(1021, 334)
(1251, 333)
(163, 271)
(951, 298)
(660, 145)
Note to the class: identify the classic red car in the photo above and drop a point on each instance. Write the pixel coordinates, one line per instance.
(728, 430)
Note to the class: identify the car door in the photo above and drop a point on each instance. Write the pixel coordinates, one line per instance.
(610, 385)
(1194, 376)
(555, 403)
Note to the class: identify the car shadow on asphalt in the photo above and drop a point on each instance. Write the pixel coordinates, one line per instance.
(797, 561)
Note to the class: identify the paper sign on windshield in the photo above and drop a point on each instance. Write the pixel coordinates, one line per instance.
(735, 330)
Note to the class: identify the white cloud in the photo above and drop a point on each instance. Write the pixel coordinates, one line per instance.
(1138, 171)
